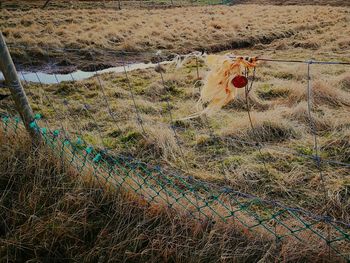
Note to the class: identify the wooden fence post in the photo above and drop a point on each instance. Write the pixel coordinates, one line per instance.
(18, 94)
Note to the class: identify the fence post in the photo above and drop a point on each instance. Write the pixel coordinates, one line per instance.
(46, 3)
(18, 94)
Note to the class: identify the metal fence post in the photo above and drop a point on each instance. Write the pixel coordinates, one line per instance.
(18, 94)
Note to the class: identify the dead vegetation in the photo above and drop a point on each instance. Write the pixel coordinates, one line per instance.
(177, 30)
(272, 159)
(295, 2)
(223, 148)
(51, 213)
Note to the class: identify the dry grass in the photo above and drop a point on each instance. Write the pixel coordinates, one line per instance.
(51, 213)
(213, 149)
(178, 30)
(295, 2)
(26, 5)
(279, 114)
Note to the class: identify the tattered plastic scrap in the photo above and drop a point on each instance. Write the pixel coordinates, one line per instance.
(226, 75)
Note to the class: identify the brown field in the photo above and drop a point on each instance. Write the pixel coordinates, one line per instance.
(49, 214)
(290, 31)
(25, 5)
(210, 148)
(296, 2)
(280, 118)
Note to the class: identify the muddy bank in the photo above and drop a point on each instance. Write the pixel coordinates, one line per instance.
(70, 60)
(25, 5)
(65, 60)
(96, 39)
(43, 77)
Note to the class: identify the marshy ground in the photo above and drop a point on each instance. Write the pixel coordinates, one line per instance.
(146, 113)
(144, 121)
(307, 31)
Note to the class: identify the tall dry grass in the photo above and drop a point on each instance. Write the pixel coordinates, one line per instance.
(215, 148)
(52, 213)
(279, 114)
(300, 30)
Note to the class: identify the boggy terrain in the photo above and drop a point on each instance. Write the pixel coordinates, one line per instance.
(140, 115)
(136, 116)
(81, 38)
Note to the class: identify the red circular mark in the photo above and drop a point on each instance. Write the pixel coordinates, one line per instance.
(239, 81)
